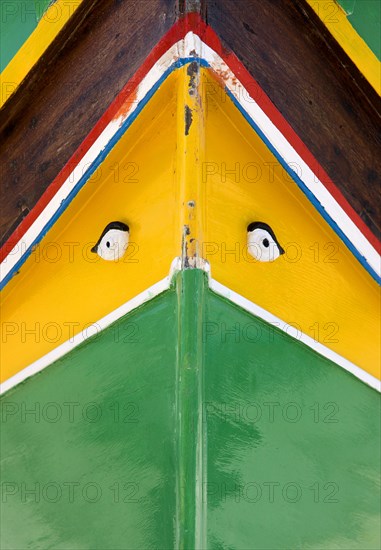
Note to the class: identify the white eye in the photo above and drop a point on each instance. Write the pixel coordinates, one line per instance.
(113, 242)
(262, 243)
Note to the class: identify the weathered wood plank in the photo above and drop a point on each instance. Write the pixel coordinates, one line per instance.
(65, 95)
(282, 43)
(315, 86)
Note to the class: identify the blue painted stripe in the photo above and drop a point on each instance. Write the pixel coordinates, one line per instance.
(100, 158)
(97, 161)
(311, 197)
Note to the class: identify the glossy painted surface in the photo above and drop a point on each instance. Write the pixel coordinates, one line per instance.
(365, 17)
(18, 20)
(191, 519)
(27, 28)
(211, 174)
(319, 83)
(103, 464)
(292, 442)
(317, 284)
(190, 423)
(357, 34)
(63, 286)
(226, 433)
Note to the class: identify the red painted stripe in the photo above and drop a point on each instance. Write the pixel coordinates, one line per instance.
(212, 40)
(191, 22)
(176, 33)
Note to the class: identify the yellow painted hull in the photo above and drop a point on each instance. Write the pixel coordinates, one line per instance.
(147, 181)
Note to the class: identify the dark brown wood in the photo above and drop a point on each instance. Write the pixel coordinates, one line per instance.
(281, 42)
(67, 92)
(192, 6)
(317, 88)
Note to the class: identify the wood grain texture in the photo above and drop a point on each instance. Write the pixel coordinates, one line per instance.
(316, 87)
(310, 289)
(67, 92)
(282, 43)
(116, 195)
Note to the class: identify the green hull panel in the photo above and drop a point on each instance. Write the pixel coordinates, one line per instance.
(191, 424)
(18, 20)
(113, 445)
(293, 442)
(365, 17)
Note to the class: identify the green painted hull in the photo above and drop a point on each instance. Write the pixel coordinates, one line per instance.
(19, 18)
(191, 424)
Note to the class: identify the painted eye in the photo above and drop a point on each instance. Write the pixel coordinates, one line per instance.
(113, 242)
(262, 243)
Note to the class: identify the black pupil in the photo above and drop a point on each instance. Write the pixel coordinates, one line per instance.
(266, 243)
(108, 244)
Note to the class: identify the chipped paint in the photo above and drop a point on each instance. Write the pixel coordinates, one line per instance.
(191, 148)
(193, 71)
(188, 119)
(126, 107)
(348, 222)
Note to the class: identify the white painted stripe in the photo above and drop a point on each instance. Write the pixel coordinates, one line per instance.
(183, 48)
(84, 335)
(293, 159)
(160, 287)
(83, 165)
(258, 311)
(100, 325)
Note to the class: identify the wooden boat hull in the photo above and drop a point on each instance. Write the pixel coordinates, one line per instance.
(241, 428)
(196, 391)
